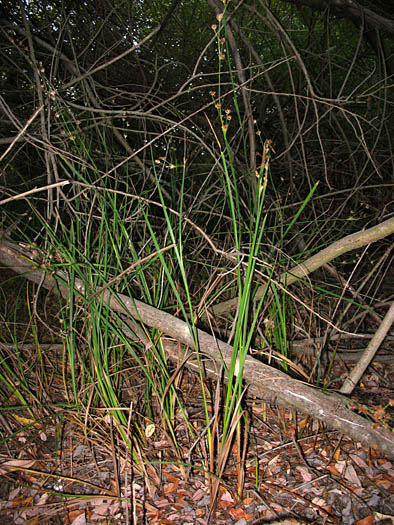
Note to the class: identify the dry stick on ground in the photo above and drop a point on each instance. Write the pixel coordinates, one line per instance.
(263, 381)
(357, 372)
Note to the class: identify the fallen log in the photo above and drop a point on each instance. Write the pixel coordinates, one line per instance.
(263, 381)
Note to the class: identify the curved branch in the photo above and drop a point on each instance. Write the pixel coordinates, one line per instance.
(348, 243)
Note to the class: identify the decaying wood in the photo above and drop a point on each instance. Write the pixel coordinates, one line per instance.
(263, 381)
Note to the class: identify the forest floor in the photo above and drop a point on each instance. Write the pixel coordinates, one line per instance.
(55, 470)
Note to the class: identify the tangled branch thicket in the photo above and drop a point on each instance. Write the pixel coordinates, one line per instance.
(243, 137)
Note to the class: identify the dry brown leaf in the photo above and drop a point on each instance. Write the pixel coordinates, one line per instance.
(15, 464)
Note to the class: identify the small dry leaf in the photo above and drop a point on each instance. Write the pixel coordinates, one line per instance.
(305, 473)
(358, 461)
(366, 521)
(351, 475)
(227, 497)
(149, 430)
(78, 517)
(320, 502)
(15, 464)
(379, 516)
